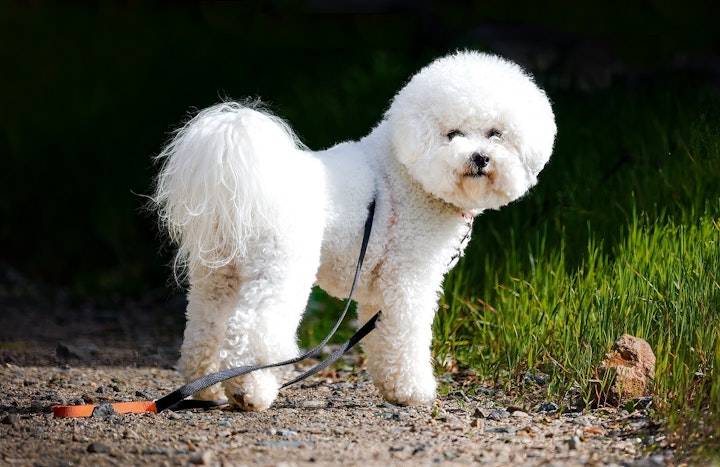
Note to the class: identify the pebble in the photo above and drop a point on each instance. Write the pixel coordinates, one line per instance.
(103, 410)
(549, 407)
(202, 458)
(146, 395)
(98, 448)
(341, 385)
(283, 443)
(498, 414)
(502, 429)
(284, 433)
(529, 378)
(459, 395)
(582, 421)
(37, 406)
(12, 419)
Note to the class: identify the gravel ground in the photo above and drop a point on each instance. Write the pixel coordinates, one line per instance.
(327, 422)
(55, 350)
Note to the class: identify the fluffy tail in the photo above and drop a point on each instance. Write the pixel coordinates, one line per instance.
(215, 187)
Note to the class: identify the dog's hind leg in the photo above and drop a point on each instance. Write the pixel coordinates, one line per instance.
(262, 328)
(211, 300)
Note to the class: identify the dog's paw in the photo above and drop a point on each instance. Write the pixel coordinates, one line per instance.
(213, 393)
(254, 392)
(417, 393)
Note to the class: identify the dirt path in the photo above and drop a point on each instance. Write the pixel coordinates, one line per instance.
(116, 351)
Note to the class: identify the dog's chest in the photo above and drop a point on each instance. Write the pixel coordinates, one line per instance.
(402, 249)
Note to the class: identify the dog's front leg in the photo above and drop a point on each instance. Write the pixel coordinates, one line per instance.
(398, 349)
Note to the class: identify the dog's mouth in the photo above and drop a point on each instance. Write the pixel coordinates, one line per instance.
(475, 173)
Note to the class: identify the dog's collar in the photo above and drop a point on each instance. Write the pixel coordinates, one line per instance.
(467, 215)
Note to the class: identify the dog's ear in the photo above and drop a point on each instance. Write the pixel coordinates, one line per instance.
(538, 138)
(411, 137)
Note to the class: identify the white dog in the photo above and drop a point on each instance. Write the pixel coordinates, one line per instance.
(259, 219)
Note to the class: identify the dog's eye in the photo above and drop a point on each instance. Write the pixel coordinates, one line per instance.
(454, 134)
(493, 133)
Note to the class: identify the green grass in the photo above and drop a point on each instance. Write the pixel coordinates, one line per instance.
(620, 236)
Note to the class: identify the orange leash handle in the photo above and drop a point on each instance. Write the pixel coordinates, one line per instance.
(74, 411)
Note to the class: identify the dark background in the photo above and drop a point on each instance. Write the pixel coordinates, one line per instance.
(90, 93)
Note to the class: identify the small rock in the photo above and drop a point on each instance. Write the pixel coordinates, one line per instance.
(625, 374)
(12, 420)
(98, 448)
(656, 460)
(530, 379)
(648, 440)
(502, 429)
(582, 421)
(103, 410)
(454, 422)
(37, 406)
(202, 458)
(341, 385)
(498, 414)
(146, 395)
(549, 407)
(459, 395)
(574, 443)
(284, 443)
(520, 414)
(451, 454)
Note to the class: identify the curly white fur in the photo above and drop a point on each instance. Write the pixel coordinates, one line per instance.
(259, 219)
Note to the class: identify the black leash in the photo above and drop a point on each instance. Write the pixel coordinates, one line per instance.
(177, 400)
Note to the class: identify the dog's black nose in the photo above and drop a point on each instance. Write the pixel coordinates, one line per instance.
(479, 159)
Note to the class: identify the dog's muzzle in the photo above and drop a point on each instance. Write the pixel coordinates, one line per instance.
(476, 165)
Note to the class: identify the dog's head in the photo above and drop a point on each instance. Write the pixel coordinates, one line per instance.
(473, 129)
